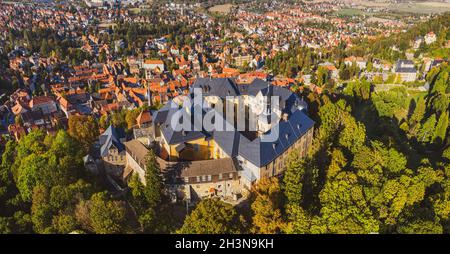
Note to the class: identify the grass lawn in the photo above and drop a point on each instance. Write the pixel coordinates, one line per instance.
(350, 12)
(222, 8)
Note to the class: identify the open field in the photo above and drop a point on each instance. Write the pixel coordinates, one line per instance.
(222, 8)
(435, 4)
(135, 10)
(425, 7)
(411, 7)
(387, 87)
(352, 12)
(359, 2)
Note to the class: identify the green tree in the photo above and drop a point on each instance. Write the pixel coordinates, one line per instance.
(5, 225)
(64, 223)
(106, 216)
(439, 85)
(104, 122)
(41, 211)
(153, 180)
(84, 129)
(293, 178)
(421, 227)
(353, 134)
(344, 206)
(337, 163)
(211, 216)
(417, 116)
(440, 103)
(427, 131)
(322, 76)
(441, 128)
(118, 119)
(131, 116)
(301, 222)
(29, 175)
(446, 153)
(266, 207)
(45, 50)
(102, 57)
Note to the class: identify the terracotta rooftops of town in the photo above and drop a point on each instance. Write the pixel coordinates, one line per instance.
(40, 100)
(153, 61)
(144, 117)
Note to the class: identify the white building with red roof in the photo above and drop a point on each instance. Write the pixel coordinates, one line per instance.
(44, 103)
(430, 38)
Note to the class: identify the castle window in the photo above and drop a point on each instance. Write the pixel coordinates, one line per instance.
(196, 147)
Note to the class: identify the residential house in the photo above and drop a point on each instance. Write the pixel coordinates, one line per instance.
(242, 60)
(430, 38)
(210, 178)
(359, 61)
(405, 70)
(44, 103)
(332, 70)
(150, 66)
(144, 119)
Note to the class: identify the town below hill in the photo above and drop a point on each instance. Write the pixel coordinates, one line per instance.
(89, 90)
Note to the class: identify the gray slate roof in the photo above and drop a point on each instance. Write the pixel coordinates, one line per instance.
(221, 87)
(228, 141)
(400, 67)
(262, 153)
(111, 137)
(233, 143)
